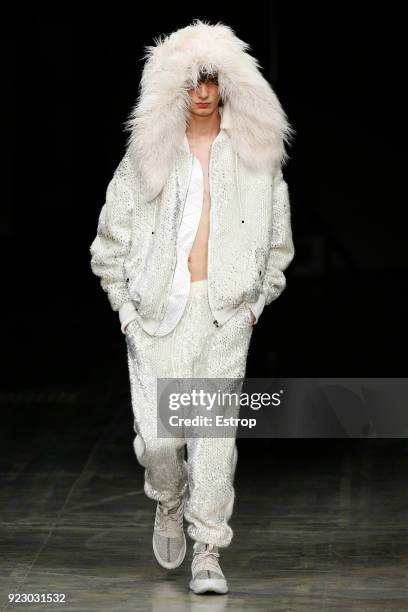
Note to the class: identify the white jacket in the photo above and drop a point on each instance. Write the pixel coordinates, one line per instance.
(180, 288)
(250, 245)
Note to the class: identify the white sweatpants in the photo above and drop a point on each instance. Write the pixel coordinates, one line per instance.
(196, 348)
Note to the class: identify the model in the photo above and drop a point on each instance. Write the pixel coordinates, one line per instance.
(192, 243)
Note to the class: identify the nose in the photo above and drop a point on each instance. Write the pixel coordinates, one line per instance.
(202, 90)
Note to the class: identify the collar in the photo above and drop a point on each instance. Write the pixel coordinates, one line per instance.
(220, 136)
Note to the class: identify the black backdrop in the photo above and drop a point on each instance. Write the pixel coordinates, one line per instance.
(337, 70)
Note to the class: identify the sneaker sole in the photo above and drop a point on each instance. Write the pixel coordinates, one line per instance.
(171, 564)
(209, 585)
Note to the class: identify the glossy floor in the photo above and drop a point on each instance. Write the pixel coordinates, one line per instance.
(319, 524)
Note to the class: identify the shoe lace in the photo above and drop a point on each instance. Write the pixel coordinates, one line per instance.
(169, 518)
(206, 560)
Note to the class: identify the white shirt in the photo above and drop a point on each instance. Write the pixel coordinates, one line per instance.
(180, 288)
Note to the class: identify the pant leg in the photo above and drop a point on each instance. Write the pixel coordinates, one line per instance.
(149, 358)
(213, 353)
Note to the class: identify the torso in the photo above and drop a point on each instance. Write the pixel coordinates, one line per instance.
(197, 261)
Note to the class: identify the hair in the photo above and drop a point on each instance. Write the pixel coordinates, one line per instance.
(204, 74)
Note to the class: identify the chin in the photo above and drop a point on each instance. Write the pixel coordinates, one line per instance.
(204, 111)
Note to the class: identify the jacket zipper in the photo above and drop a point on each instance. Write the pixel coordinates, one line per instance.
(216, 323)
(180, 221)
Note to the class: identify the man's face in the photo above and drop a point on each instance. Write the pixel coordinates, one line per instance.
(205, 99)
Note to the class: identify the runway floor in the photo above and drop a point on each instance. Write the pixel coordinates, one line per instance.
(319, 525)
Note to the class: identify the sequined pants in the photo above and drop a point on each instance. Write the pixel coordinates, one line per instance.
(196, 348)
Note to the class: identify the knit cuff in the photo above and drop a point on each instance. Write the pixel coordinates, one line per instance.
(127, 313)
(257, 307)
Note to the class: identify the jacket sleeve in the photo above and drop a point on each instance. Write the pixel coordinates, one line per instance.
(282, 249)
(113, 237)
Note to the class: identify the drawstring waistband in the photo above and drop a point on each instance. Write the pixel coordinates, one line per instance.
(199, 287)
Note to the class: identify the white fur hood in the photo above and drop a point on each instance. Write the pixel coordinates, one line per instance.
(251, 113)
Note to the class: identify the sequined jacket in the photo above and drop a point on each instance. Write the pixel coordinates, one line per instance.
(250, 241)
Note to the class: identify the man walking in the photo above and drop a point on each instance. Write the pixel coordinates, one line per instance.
(192, 243)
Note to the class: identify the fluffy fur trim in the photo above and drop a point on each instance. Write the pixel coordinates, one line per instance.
(251, 113)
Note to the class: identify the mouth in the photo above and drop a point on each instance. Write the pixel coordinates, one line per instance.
(203, 104)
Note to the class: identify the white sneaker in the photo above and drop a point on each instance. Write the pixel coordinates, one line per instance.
(169, 540)
(206, 571)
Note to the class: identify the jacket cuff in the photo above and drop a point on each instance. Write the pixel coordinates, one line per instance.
(127, 312)
(257, 307)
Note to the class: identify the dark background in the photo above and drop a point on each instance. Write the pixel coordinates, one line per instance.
(66, 435)
(337, 74)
